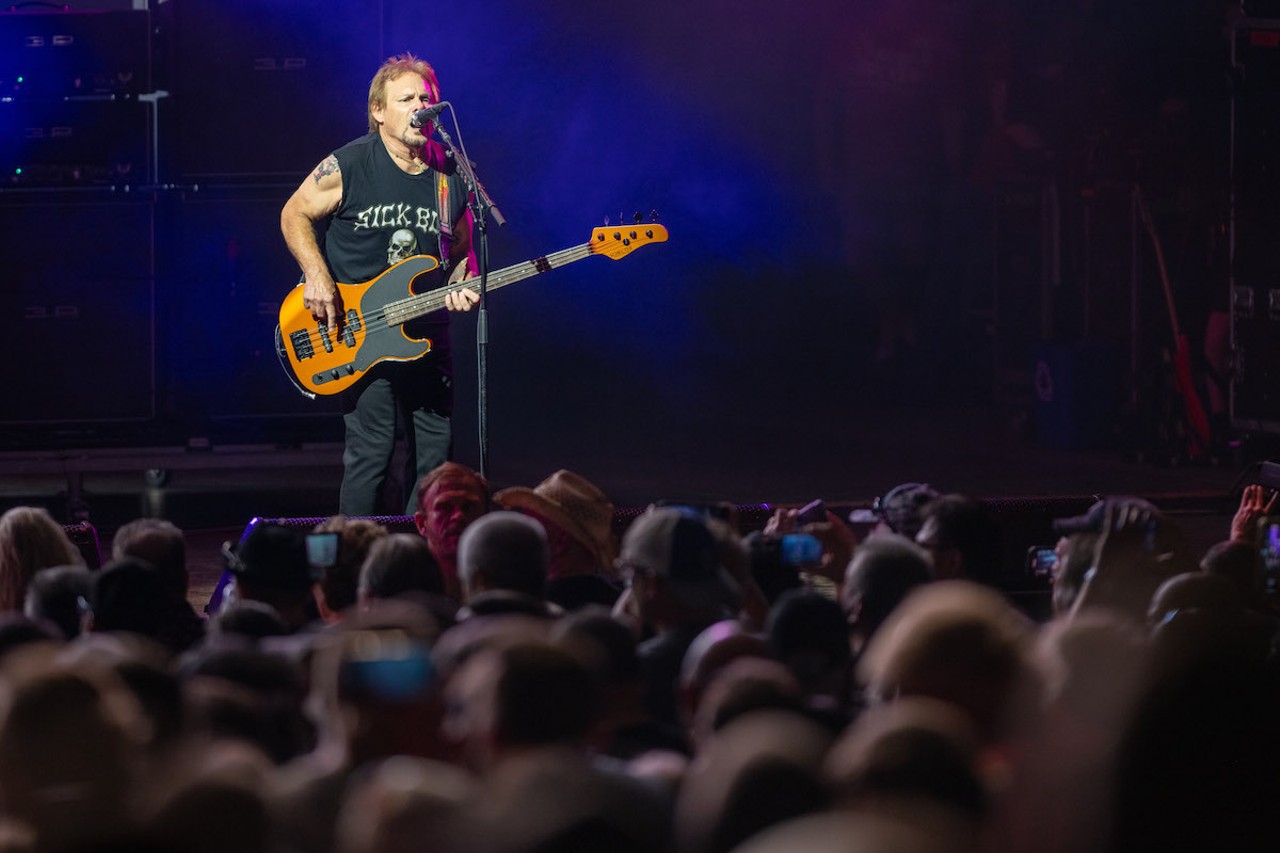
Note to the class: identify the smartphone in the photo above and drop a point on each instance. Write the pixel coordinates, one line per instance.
(322, 550)
(386, 667)
(1269, 548)
(812, 513)
(1041, 561)
(799, 549)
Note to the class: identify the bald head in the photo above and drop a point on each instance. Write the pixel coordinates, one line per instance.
(504, 550)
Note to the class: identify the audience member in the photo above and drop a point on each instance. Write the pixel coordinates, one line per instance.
(246, 621)
(808, 634)
(760, 770)
(1075, 559)
(270, 565)
(1241, 564)
(963, 540)
(405, 804)
(18, 631)
(129, 595)
(958, 642)
(1138, 549)
(529, 709)
(375, 694)
(884, 569)
(624, 727)
(338, 584)
(902, 508)
(60, 595)
(158, 543)
(398, 564)
(914, 750)
(678, 588)
(502, 565)
(450, 497)
(742, 686)
(251, 696)
(718, 645)
(578, 519)
(70, 739)
(735, 557)
(30, 540)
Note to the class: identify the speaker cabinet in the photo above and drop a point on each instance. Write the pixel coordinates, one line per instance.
(262, 90)
(98, 142)
(57, 53)
(225, 270)
(79, 295)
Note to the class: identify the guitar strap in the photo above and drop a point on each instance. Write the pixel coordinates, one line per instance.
(446, 228)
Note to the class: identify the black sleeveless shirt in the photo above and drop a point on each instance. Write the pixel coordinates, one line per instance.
(387, 215)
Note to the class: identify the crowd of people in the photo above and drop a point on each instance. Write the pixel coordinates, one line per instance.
(529, 672)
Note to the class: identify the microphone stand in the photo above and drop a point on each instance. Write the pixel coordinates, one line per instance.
(481, 205)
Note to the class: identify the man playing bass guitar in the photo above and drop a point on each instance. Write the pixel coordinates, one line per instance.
(384, 197)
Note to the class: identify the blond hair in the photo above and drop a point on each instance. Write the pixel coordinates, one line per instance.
(30, 540)
(395, 66)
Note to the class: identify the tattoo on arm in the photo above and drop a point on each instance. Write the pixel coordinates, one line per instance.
(328, 166)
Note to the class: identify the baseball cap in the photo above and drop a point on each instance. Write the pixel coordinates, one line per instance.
(900, 507)
(678, 546)
(271, 555)
(1093, 519)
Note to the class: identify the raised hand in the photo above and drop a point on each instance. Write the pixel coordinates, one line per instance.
(1255, 503)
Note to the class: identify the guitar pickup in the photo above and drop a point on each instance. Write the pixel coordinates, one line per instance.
(350, 327)
(325, 340)
(301, 343)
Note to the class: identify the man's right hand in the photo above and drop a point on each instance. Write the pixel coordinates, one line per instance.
(320, 295)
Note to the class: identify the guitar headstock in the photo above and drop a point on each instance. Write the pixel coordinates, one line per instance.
(618, 241)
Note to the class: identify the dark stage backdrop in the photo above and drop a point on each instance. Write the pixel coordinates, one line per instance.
(833, 176)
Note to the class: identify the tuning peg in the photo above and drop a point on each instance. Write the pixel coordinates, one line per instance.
(606, 220)
(637, 218)
(653, 216)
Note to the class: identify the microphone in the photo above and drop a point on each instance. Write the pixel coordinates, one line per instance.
(426, 114)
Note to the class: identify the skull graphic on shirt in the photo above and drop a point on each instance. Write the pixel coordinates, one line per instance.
(403, 244)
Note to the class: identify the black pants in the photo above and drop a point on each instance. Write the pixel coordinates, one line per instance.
(420, 395)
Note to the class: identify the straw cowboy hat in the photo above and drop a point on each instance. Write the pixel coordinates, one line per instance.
(576, 505)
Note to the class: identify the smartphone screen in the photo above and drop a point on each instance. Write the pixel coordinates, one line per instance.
(799, 549)
(1041, 560)
(1269, 546)
(322, 549)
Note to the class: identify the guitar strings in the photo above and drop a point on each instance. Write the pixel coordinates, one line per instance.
(421, 303)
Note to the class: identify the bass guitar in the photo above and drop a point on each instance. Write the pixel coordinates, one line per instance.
(327, 360)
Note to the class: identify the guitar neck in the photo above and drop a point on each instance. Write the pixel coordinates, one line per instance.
(404, 310)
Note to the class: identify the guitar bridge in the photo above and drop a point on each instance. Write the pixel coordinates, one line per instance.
(301, 343)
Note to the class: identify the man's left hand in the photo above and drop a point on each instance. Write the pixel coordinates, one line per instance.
(460, 300)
